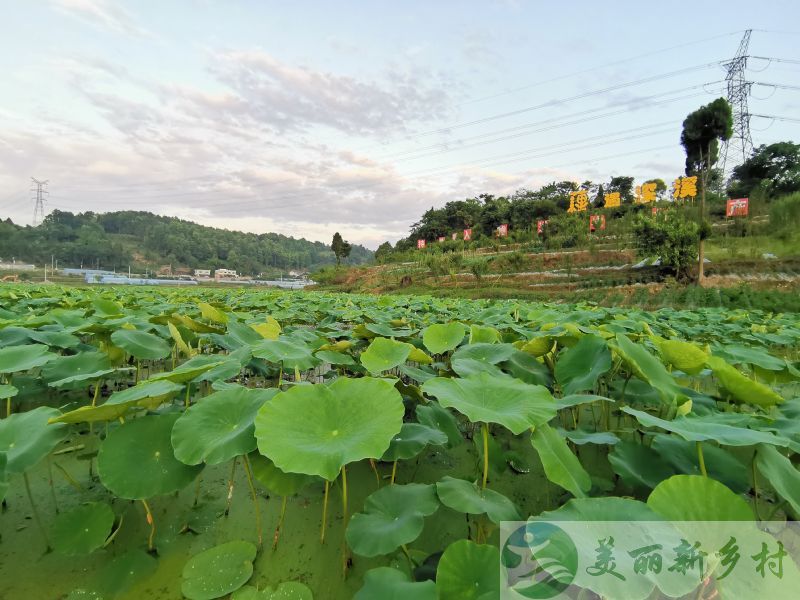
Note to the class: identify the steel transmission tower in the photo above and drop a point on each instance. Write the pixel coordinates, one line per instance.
(39, 189)
(737, 149)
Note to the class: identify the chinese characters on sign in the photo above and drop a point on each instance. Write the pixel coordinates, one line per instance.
(578, 201)
(612, 200)
(737, 207)
(645, 193)
(420, 244)
(684, 187)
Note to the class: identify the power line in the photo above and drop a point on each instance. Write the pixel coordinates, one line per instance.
(40, 191)
(740, 144)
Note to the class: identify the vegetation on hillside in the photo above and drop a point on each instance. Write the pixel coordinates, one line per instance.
(141, 239)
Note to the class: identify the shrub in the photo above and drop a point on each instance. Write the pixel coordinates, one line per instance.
(670, 236)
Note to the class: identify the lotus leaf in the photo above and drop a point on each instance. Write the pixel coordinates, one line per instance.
(561, 466)
(412, 439)
(390, 584)
(317, 429)
(433, 415)
(220, 427)
(602, 509)
(288, 590)
(781, 473)
(218, 571)
(335, 358)
(515, 405)
(291, 353)
(277, 481)
(579, 368)
(684, 356)
(384, 354)
(720, 464)
(141, 344)
(440, 338)
(22, 358)
(645, 366)
(82, 529)
(697, 498)
(136, 460)
(392, 516)
(26, 438)
(467, 497)
(639, 466)
(468, 571)
(741, 388)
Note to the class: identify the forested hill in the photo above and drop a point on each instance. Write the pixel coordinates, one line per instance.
(142, 239)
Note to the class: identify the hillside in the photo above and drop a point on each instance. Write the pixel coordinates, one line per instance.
(142, 240)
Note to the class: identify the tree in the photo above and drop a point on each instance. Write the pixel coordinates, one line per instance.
(600, 198)
(775, 169)
(383, 252)
(340, 248)
(703, 129)
(669, 236)
(623, 185)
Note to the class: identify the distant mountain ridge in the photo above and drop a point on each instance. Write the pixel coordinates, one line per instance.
(142, 240)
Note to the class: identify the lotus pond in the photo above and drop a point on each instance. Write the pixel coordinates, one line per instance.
(247, 444)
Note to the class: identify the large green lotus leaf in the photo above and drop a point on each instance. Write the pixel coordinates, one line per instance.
(145, 395)
(27, 438)
(83, 594)
(220, 427)
(56, 339)
(277, 481)
(487, 353)
(136, 460)
(468, 571)
(720, 464)
(736, 354)
(466, 367)
(712, 427)
(218, 571)
(385, 583)
(433, 415)
(561, 466)
(412, 439)
(191, 369)
(440, 338)
(528, 368)
(125, 571)
(467, 497)
(579, 367)
(639, 466)
(510, 402)
(288, 590)
(392, 516)
(21, 358)
(82, 529)
(684, 356)
(741, 388)
(578, 399)
(648, 368)
(781, 473)
(335, 358)
(141, 344)
(244, 335)
(7, 391)
(107, 308)
(76, 368)
(697, 498)
(581, 436)
(384, 354)
(317, 429)
(384, 330)
(211, 313)
(479, 334)
(289, 352)
(602, 509)
(14, 336)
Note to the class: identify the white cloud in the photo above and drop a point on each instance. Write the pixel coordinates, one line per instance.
(104, 14)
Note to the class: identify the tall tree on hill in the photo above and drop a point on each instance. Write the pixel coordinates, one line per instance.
(703, 129)
(340, 248)
(775, 169)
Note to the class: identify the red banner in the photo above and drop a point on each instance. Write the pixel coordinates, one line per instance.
(597, 222)
(737, 207)
(420, 244)
(502, 230)
(442, 238)
(654, 210)
(540, 225)
(467, 235)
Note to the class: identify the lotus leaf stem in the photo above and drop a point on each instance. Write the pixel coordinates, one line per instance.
(188, 395)
(344, 521)
(151, 522)
(96, 393)
(755, 486)
(404, 548)
(114, 533)
(277, 535)
(394, 471)
(375, 470)
(701, 459)
(197, 489)
(69, 477)
(50, 482)
(249, 473)
(324, 513)
(230, 486)
(485, 454)
(35, 510)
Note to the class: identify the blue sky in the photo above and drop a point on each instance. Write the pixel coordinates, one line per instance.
(306, 118)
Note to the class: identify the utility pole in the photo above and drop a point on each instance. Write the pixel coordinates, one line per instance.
(738, 149)
(39, 190)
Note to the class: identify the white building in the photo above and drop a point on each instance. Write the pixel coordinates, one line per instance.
(202, 273)
(224, 274)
